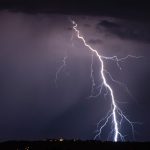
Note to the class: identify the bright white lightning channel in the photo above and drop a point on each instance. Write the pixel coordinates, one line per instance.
(115, 114)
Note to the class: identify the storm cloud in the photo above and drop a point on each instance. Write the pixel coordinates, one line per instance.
(131, 30)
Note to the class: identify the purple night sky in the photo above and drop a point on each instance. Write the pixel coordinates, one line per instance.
(32, 47)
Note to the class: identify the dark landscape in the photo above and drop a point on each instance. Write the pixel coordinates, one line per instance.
(72, 145)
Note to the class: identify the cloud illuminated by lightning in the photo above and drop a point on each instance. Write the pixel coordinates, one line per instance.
(115, 114)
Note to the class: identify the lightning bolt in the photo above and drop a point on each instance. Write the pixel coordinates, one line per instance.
(60, 69)
(115, 114)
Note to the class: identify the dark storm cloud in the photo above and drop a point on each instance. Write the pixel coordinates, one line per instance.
(116, 8)
(127, 30)
(95, 41)
(109, 24)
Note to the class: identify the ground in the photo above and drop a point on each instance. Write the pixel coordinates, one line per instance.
(72, 145)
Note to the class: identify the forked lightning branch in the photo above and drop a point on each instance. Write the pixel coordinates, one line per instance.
(115, 116)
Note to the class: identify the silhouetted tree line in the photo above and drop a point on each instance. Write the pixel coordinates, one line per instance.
(73, 145)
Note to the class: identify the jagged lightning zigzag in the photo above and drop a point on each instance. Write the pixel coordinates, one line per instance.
(115, 112)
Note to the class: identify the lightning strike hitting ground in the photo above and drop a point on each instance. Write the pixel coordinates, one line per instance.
(115, 115)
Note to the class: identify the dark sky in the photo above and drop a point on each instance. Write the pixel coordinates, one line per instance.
(36, 36)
